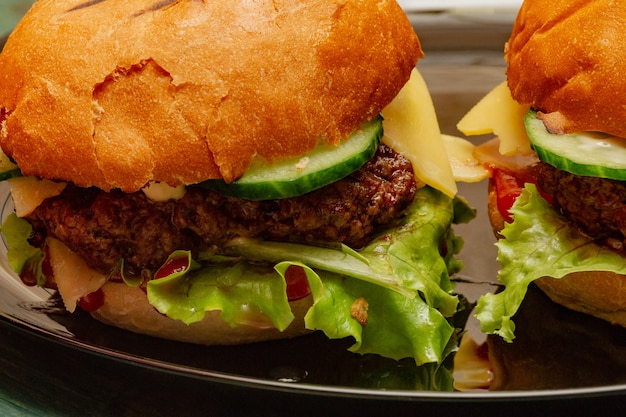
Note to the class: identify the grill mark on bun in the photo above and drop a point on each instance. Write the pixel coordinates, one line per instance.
(85, 5)
(156, 6)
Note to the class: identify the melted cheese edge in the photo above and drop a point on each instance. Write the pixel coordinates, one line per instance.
(498, 113)
(411, 128)
(29, 192)
(462, 155)
(73, 277)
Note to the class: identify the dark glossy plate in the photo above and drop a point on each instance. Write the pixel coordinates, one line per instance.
(558, 356)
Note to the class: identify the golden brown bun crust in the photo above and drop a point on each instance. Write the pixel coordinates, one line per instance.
(128, 308)
(597, 293)
(568, 57)
(118, 93)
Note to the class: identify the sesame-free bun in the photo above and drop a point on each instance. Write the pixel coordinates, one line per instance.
(118, 93)
(566, 58)
(598, 293)
(128, 308)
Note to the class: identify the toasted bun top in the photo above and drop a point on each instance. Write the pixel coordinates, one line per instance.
(118, 93)
(567, 57)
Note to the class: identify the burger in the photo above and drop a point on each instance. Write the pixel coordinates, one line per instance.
(231, 172)
(557, 193)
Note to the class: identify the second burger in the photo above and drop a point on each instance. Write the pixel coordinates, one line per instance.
(558, 193)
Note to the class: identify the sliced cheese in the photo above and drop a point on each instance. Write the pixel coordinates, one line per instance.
(29, 192)
(411, 128)
(465, 166)
(499, 114)
(73, 277)
(5, 163)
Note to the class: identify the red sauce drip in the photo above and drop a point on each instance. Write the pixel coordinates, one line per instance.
(92, 301)
(297, 283)
(508, 187)
(172, 266)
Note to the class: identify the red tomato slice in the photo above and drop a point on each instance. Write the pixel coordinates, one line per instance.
(508, 187)
(92, 301)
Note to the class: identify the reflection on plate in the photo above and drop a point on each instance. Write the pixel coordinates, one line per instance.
(556, 350)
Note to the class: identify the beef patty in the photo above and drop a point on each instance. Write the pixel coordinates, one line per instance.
(595, 206)
(106, 227)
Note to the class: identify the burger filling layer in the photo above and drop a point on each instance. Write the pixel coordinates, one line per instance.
(106, 227)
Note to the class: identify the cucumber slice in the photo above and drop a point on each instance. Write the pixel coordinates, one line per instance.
(5, 175)
(591, 154)
(317, 168)
(8, 169)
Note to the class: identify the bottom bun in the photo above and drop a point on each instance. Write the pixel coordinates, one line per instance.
(128, 308)
(598, 293)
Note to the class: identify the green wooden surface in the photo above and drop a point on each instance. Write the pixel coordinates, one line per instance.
(10, 13)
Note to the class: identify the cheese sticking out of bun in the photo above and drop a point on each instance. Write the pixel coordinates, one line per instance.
(78, 279)
(29, 192)
(499, 114)
(411, 128)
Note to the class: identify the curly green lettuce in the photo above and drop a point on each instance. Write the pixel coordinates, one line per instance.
(401, 274)
(537, 243)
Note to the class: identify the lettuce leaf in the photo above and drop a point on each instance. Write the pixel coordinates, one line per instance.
(538, 243)
(398, 327)
(16, 231)
(240, 291)
(401, 274)
(22, 257)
